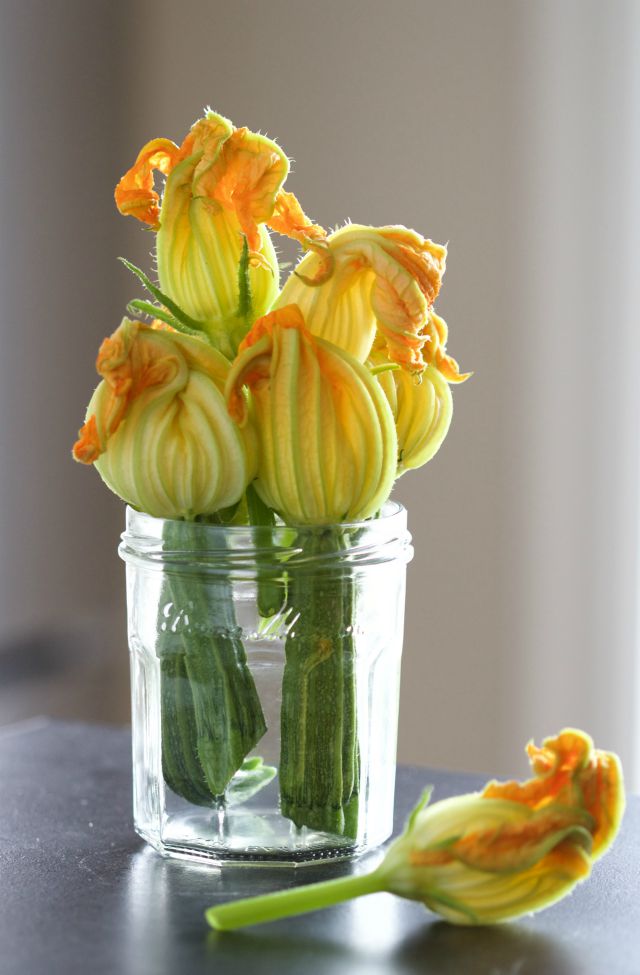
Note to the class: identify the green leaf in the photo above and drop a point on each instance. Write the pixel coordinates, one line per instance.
(251, 777)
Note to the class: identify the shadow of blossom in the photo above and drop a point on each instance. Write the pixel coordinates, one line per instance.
(164, 901)
(511, 949)
(438, 949)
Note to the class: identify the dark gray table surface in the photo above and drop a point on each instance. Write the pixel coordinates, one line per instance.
(80, 893)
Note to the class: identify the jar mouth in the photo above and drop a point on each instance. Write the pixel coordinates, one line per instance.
(167, 543)
(389, 510)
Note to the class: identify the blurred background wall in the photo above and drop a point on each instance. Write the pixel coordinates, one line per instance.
(509, 129)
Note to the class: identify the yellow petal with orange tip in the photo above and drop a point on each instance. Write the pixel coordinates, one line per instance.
(249, 174)
(435, 350)
(514, 847)
(290, 220)
(222, 184)
(372, 280)
(569, 770)
(476, 858)
(87, 447)
(422, 408)
(157, 429)
(327, 443)
(222, 191)
(135, 194)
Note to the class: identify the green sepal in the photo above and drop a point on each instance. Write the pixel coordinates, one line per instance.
(245, 298)
(164, 299)
(137, 305)
(422, 803)
(384, 367)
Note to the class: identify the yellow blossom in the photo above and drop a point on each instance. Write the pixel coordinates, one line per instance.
(223, 184)
(157, 427)
(327, 442)
(375, 280)
(513, 848)
(488, 856)
(422, 407)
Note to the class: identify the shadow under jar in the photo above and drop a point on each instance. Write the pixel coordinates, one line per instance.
(265, 669)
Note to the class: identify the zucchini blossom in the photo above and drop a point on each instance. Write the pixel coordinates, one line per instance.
(157, 427)
(223, 185)
(327, 442)
(488, 856)
(422, 407)
(375, 283)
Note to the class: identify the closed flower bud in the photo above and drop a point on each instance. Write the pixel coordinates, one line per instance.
(327, 443)
(512, 848)
(374, 280)
(158, 430)
(422, 407)
(223, 185)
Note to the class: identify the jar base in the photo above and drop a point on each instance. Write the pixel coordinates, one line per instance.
(226, 858)
(267, 839)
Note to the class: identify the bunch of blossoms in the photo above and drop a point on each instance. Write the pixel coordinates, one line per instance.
(242, 402)
(360, 302)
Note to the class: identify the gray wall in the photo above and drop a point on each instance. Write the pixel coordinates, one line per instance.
(61, 587)
(509, 130)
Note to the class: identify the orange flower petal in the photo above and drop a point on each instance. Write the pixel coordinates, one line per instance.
(135, 195)
(247, 179)
(289, 219)
(258, 369)
(87, 447)
(425, 260)
(289, 316)
(569, 771)
(434, 350)
(514, 847)
(364, 284)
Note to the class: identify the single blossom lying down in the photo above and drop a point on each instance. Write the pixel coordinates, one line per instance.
(485, 857)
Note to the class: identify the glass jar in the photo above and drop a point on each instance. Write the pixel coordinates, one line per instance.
(265, 667)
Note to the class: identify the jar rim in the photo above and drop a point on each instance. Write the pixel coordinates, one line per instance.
(390, 509)
(182, 545)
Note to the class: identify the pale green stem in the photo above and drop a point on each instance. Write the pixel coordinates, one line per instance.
(297, 900)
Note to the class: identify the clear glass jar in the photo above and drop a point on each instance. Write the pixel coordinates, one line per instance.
(265, 666)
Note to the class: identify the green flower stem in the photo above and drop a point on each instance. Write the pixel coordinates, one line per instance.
(319, 758)
(297, 900)
(211, 713)
(269, 584)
